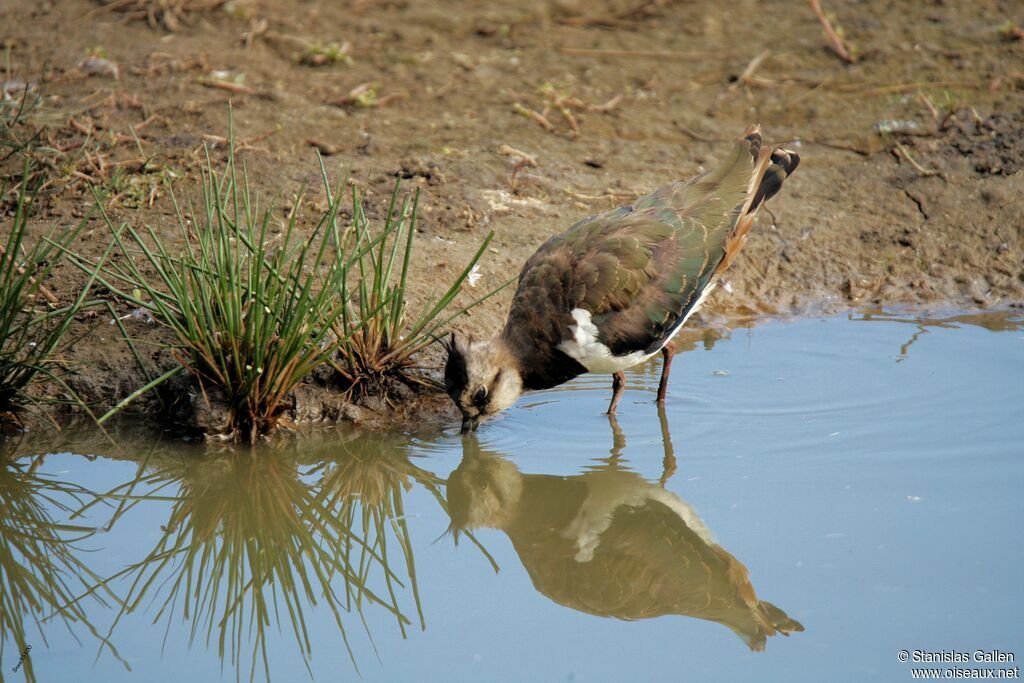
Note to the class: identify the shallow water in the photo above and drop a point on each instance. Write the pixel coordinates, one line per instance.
(862, 475)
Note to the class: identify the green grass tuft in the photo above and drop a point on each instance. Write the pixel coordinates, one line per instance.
(253, 309)
(32, 325)
(380, 338)
(251, 312)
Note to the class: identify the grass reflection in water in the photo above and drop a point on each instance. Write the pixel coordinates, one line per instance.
(41, 571)
(255, 539)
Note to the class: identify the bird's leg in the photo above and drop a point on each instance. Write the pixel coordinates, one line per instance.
(618, 439)
(667, 352)
(618, 383)
(668, 462)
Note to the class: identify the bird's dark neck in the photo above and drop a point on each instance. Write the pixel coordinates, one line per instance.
(538, 321)
(541, 364)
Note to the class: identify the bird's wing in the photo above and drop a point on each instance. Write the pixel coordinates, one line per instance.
(639, 273)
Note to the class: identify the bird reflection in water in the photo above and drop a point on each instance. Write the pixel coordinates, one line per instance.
(610, 543)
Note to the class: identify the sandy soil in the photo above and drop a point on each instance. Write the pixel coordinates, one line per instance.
(910, 190)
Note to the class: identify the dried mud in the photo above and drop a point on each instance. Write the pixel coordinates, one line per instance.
(449, 96)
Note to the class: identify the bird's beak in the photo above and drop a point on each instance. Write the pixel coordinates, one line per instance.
(470, 423)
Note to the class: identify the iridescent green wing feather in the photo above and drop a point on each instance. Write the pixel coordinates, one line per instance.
(638, 271)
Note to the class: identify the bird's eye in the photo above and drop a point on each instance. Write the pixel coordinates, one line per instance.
(480, 397)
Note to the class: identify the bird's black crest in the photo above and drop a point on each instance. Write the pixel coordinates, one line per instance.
(455, 374)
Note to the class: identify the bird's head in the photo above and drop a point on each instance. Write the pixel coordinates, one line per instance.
(482, 377)
(484, 491)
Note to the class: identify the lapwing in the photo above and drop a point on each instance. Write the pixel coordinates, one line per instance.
(612, 544)
(612, 290)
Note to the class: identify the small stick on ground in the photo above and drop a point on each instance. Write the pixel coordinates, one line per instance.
(562, 104)
(631, 14)
(80, 127)
(927, 102)
(864, 89)
(151, 119)
(241, 145)
(926, 172)
(834, 41)
(388, 99)
(47, 294)
(536, 116)
(939, 120)
(748, 73)
(607, 106)
(525, 159)
(257, 27)
(651, 54)
(236, 88)
(518, 153)
(837, 145)
(325, 148)
(695, 135)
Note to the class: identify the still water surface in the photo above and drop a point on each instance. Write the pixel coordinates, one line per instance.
(854, 482)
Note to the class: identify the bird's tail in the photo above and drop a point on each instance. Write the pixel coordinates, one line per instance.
(771, 168)
(759, 619)
(778, 163)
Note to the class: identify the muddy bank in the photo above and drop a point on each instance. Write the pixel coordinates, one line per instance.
(521, 118)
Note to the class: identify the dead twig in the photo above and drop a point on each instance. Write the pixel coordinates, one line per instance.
(747, 76)
(834, 40)
(257, 28)
(563, 103)
(927, 102)
(385, 100)
(47, 294)
(230, 86)
(151, 119)
(81, 127)
(901, 151)
(325, 148)
(939, 120)
(868, 90)
(365, 96)
(240, 145)
(630, 14)
(695, 135)
(525, 160)
(608, 195)
(647, 54)
(134, 165)
(838, 145)
(607, 106)
(541, 120)
(513, 152)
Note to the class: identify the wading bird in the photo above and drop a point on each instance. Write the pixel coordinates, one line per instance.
(609, 543)
(612, 290)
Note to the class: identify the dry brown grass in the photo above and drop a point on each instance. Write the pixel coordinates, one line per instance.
(168, 14)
